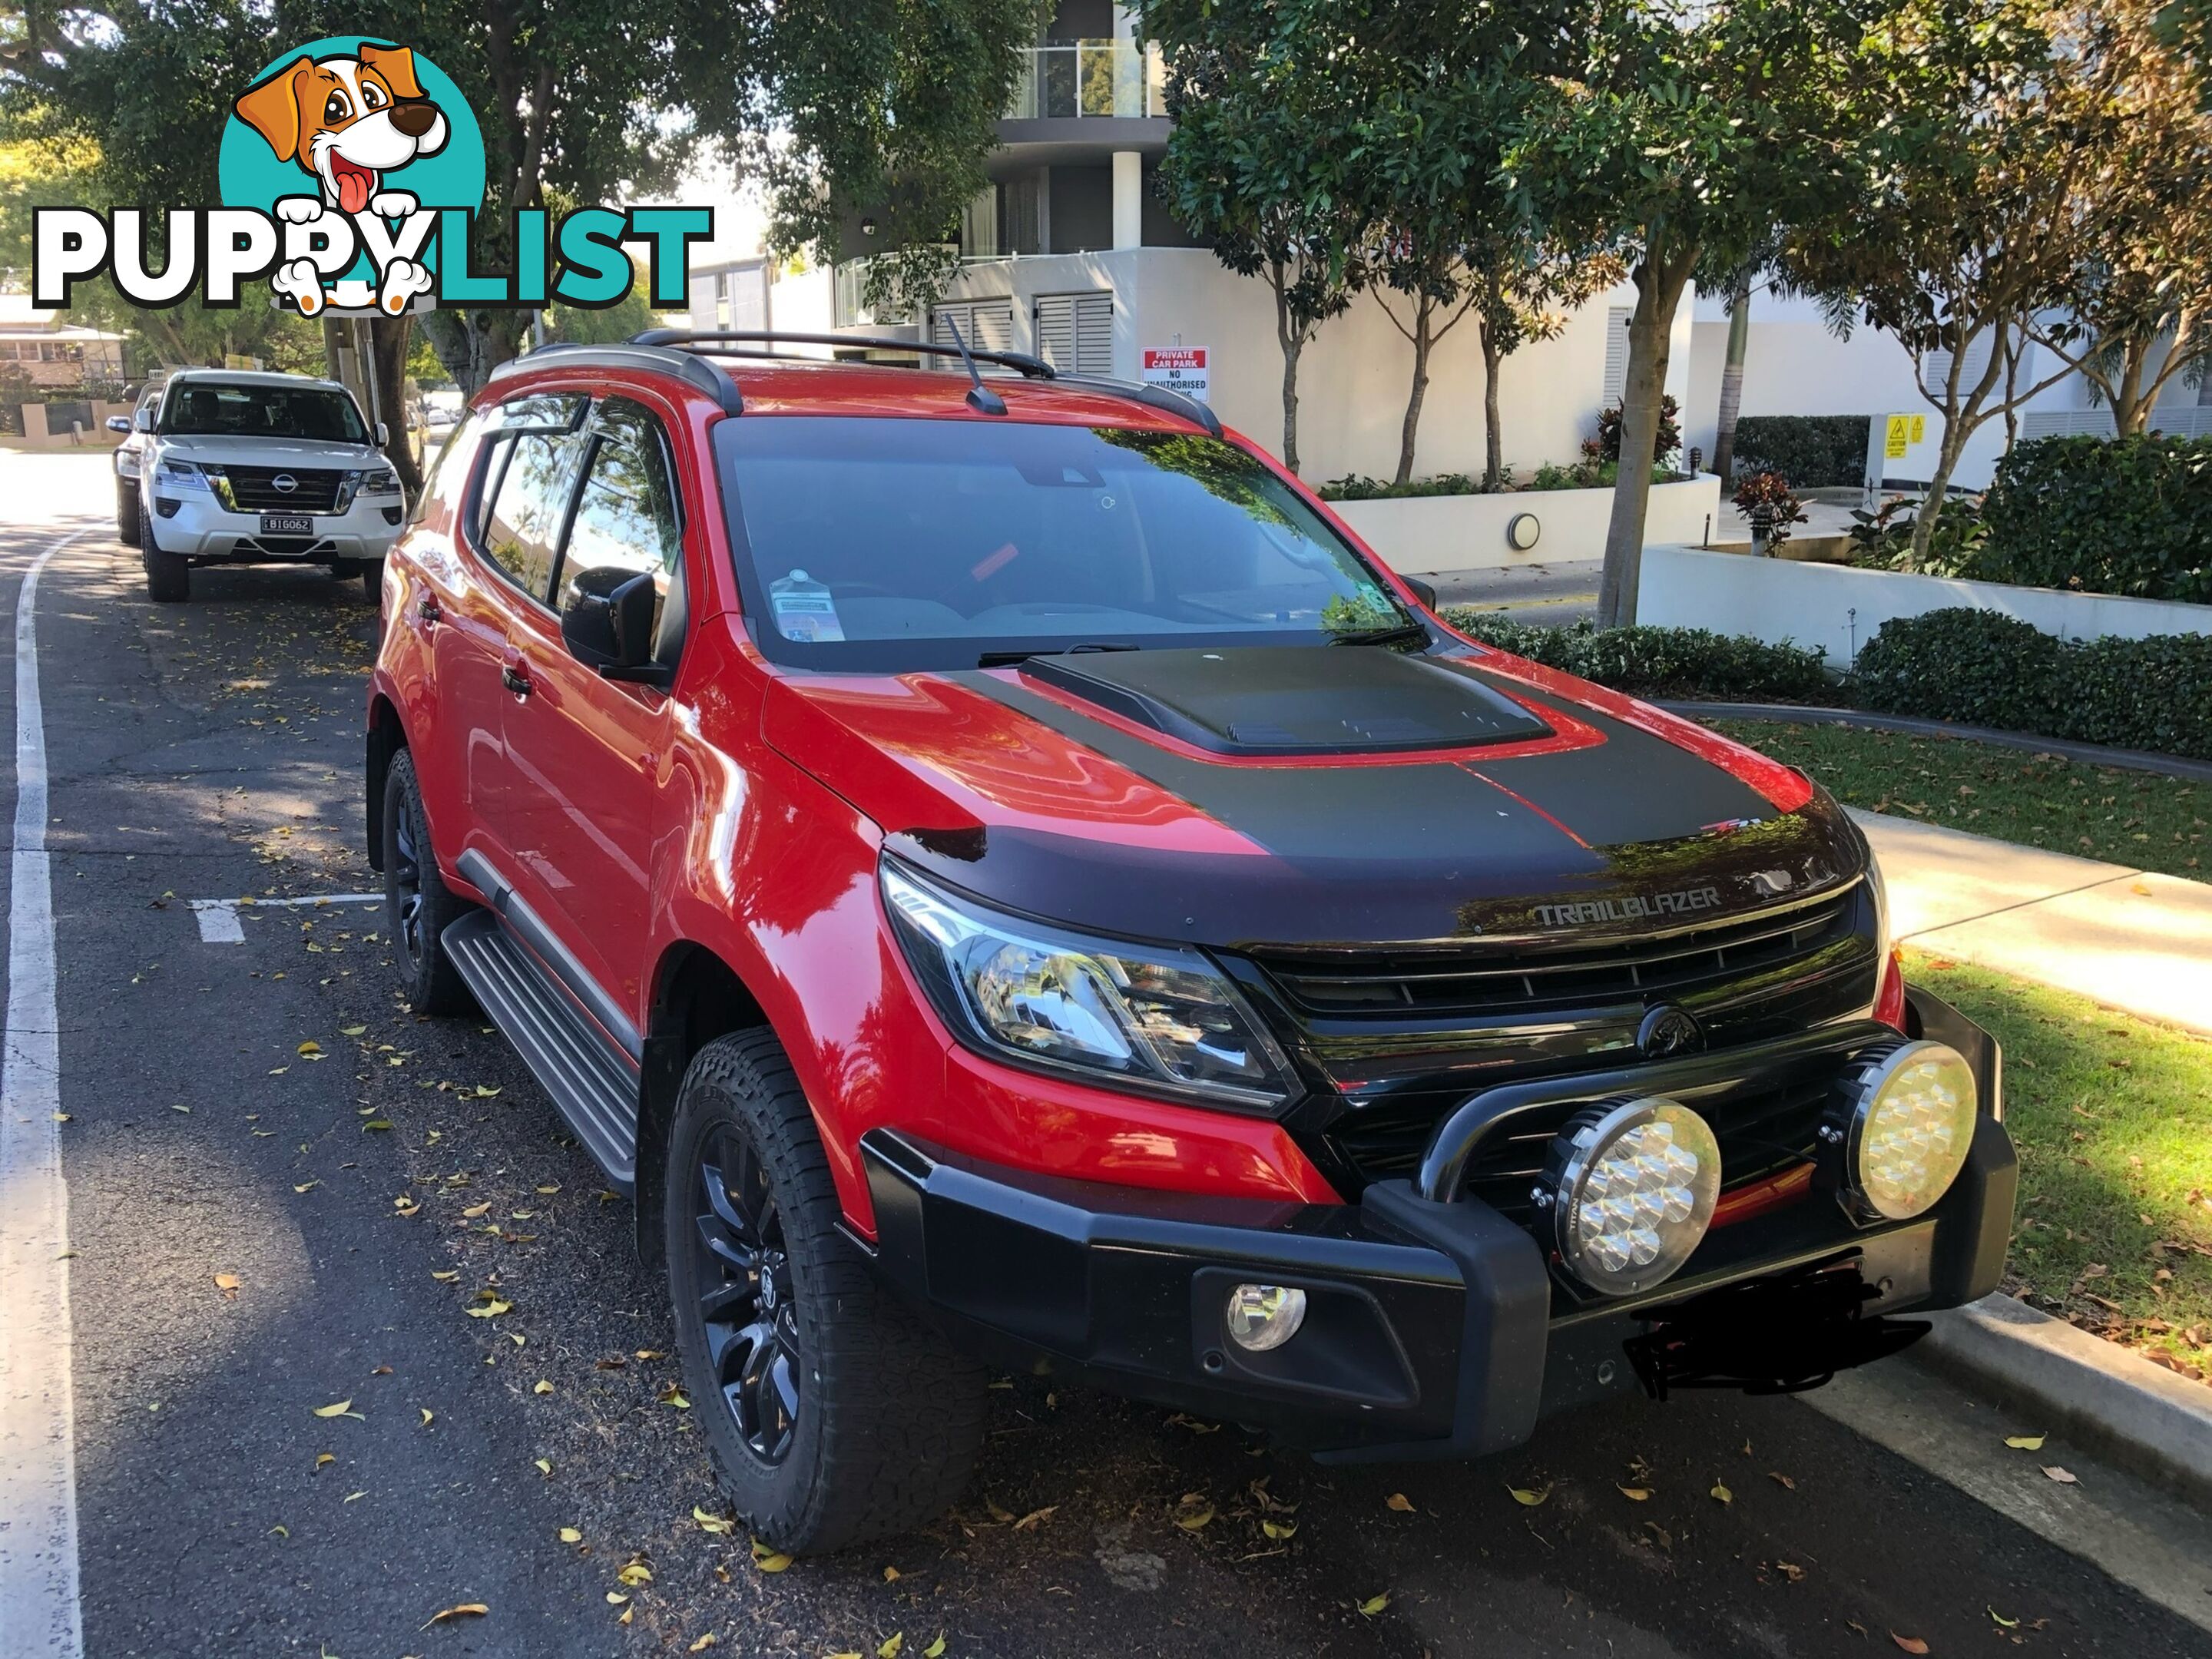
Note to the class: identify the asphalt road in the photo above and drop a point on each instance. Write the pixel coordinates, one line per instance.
(363, 1194)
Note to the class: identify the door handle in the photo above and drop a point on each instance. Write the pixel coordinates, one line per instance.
(514, 680)
(427, 608)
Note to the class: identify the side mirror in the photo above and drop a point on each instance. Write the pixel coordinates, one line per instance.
(608, 623)
(144, 423)
(117, 423)
(1425, 592)
(383, 435)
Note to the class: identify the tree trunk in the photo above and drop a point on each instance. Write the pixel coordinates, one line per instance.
(1423, 311)
(2130, 408)
(1493, 437)
(1739, 343)
(1955, 433)
(472, 344)
(388, 338)
(1659, 284)
(1292, 341)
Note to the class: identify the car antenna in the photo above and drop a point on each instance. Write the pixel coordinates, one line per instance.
(980, 398)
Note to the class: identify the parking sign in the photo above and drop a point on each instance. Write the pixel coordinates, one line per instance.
(1179, 368)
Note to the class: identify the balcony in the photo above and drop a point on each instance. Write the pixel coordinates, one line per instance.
(1112, 80)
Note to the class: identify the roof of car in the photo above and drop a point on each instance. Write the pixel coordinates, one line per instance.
(248, 377)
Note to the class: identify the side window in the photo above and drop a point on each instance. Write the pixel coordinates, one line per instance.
(522, 525)
(627, 516)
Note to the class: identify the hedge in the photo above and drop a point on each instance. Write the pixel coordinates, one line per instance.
(2105, 515)
(1814, 451)
(1985, 669)
(1659, 662)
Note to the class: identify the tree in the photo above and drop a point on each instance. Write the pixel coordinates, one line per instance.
(1683, 138)
(2139, 316)
(1253, 164)
(1525, 286)
(1731, 400)
(1970, 221)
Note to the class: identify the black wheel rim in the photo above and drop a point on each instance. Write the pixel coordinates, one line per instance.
(742, 1272)
(405, 896)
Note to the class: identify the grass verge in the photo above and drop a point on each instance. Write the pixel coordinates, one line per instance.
(2112, 1116)
(2135, 819)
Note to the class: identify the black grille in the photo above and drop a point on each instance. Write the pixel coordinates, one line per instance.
(253, 488)
(1477, 983)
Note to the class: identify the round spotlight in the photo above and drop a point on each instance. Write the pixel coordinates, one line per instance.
(1264, 1316)
(1630, 1188)
(1902, 1121)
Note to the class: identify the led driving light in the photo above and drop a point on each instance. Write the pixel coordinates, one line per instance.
(1155, 1017)
(1264, 1316)
(1630, 1188)
(1898, 1135)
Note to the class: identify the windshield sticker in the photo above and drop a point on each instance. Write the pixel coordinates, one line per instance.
(803, 610)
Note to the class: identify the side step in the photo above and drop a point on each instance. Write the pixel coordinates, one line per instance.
(594, 1083)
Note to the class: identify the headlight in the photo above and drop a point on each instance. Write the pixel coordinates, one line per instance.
(1898, 1131)
(179, 475)
(1630, 1188)
(1148, 1017)
(386, 482)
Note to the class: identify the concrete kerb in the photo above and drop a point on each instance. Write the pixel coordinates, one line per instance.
(2089, 754)
(2141, 1416)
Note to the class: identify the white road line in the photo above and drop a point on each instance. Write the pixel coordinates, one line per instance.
(218, 918)
(38, 1614)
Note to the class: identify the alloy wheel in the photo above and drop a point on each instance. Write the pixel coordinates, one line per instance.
(742, 1272)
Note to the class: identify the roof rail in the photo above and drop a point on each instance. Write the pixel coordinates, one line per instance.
(705, 340)
(708, 376)
(735, 343)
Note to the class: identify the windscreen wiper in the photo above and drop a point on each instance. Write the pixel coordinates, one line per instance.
(1412, 633)
(1007, 659)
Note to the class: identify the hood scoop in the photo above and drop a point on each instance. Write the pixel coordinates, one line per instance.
(1254, 701)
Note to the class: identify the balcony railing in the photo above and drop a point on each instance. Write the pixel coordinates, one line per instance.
(1106, 78)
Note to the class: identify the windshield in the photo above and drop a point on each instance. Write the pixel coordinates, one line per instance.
(211, 410)
(912, 543)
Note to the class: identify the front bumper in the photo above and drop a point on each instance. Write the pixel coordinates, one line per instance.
(199, 527)
(1433, 1329)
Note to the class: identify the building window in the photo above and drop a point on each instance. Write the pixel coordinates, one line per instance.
(1075, 331)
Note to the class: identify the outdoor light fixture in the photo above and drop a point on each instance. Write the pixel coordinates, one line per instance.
(867, 227)
(1521, 531)
(1264, 1316)
(1629, 1189)
(1898, 1130)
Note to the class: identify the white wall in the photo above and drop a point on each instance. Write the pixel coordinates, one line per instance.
(1354, 378)
(1839, 609)
(1424, 535)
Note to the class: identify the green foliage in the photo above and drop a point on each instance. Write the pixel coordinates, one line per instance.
(2125, 515)
(1767, 500)
(1659, 662)
(1985, 669)
(1357, 487)
(1667, 442)
(1882, 539)
(1818, 452)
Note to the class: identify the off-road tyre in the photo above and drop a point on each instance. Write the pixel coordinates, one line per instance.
(890, 1415)
(168, 576)
(432, 984)
(126, 512)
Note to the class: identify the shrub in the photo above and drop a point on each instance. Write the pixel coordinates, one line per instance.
(1819, 451)
(1357, 487)
(1985, 669)
(1670, 431)
(1883, 540)
(1659, 662)
(1767, 500)
(2105, 515)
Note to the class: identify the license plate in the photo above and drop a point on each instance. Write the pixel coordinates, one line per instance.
(287, 524)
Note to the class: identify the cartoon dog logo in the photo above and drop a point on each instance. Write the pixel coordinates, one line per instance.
(347, 122)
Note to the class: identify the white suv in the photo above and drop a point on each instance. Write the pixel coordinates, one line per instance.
(262, 469)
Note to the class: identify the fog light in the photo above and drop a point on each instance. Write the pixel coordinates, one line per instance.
(1630, 1189)
(1901, 1128)
(1264, 1316)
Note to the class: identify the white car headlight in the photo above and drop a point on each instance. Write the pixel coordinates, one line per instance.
(1901, 1128)
(1157, 1018)
(1630, 1188)
(179, 475)
(386, 482)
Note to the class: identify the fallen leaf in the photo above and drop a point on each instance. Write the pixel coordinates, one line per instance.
(1782, 1480)
(702, 1643)
(474, 1211)
(307, 1187)
(376, 1123)
(491, 1310)
(545, 1468)
(2003, 1623)
(673, 1395)
(458, 1610)
(889, 1649)
(280, 1532)
(2024, 1442)
(715, 1523)
(769, 1560)
(1375, 1604)
(2064, 1477)
(616, 1598)
(1634, 1494)
(891, 1575)
(935, 1650)
(1723, 1493)
(352, 1031)
(1278, 1530)
(446, 1277)
(325, 1457)
(1524, 1496)
(636, 1573)
(1910, 1643)
(342, 1408)
(570, 1535)
(1400, 1502)
(542, 1386)
(312, 1046)
(1194, 1513)
(226, 1283)
(1037, 1518)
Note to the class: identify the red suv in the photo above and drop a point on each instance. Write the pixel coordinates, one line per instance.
(1002, 875)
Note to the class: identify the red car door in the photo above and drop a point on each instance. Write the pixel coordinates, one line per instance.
(585, 751)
